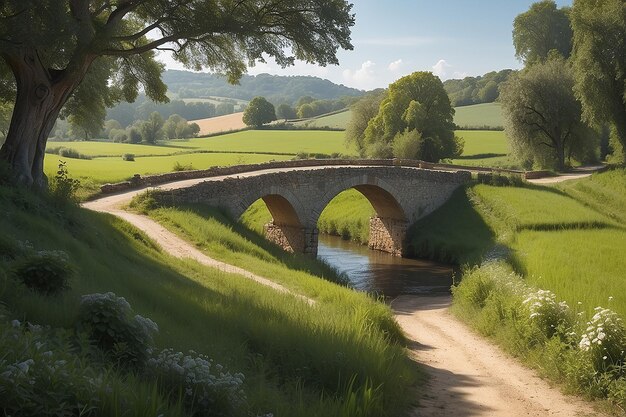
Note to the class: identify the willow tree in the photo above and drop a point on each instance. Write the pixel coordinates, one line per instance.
(76, 55)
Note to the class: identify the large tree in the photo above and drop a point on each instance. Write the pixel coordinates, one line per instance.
(99, 51)
(542, 115)
(258, 112)
(414, 102)
(543, 28)
(600, 62)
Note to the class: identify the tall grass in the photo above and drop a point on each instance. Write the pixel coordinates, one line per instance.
(298, 360)
(347, 215)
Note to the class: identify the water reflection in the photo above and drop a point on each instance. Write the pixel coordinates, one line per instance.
(379, 272)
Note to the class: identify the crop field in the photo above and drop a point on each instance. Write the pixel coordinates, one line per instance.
(487, 148)
(479, 116)
(220, 124)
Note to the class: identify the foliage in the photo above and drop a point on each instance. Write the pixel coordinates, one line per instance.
(364, 110)
(206, 389)
(66, 152)
(128, 157)
(414, 102)
(259, 112)
(476, 90)
(101, 53)
(532, 323)
(45, 272)
(408, 144)
(45, 372)
(109, 323)
(62, 186)
(313, 108)
(180, 167)
(175, 127)
(539, 31)
(543, 117)
(152, 129)
(599, 59)
(285, 111)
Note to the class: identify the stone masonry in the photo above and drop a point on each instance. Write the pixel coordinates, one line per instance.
(297, 196)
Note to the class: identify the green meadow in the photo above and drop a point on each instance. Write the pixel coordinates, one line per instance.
(335, 121)
(477, 116)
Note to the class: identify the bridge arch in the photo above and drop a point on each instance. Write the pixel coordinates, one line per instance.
(389, 226)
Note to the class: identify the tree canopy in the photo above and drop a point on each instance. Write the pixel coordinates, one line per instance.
(543, 117)
(599, 59)
(362, 112)
(543, 28)
(97, 52)
(259, 112)
(416, 102)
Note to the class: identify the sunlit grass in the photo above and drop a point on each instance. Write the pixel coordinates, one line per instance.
(298, 359)
(113, 169)
(578, 265)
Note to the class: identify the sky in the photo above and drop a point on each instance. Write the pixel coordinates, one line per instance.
(393, 38)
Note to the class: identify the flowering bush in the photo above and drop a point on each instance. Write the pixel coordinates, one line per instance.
(109, 322)
(40, 376)
(605, 339)
(206, 388)
(46, 272)
(546, 314)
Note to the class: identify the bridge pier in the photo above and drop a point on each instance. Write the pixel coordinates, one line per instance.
(388, 235)
(293, 238)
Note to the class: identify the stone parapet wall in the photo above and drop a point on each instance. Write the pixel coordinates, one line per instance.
(139, 181)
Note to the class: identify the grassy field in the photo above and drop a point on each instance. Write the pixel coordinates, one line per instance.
(247, 147)
(487, 148)
(337, 121)
(114, 169)
(331, 359)
(479, 116)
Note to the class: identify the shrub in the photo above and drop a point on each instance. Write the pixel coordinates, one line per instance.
(206, 388)
(546, 314)
(45, 272)
(39, 375)
(180, 167)
(604, 340)
(128, 157)
(108, 321)
(62, 187)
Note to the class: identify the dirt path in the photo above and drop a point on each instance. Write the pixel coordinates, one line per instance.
(468, 375)
(174, 245)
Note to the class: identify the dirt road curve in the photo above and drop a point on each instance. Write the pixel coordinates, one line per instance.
(468, 375)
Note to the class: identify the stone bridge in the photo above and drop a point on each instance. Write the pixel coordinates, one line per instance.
(296, 197)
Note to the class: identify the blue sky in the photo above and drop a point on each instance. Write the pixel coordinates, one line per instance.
(392, 38)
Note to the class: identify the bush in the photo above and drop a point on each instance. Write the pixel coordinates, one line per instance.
(128, 157)
(500, 180)
(45, 272)
(62, 187)
(604, 340)
(40, 376)
(108, 321)
(205, 387)
(180, 167)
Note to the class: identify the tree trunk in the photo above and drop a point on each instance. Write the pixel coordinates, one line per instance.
(39, 100)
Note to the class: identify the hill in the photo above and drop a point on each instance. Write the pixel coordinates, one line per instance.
(277, 89)
(475, 90)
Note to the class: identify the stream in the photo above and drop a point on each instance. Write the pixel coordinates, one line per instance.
(380, 273)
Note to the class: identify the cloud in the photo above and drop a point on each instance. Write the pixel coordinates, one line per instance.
(440, 68)
(395, 65)
(364, 77)
(397, 41)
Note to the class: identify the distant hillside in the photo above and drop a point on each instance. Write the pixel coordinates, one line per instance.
(276, 88)
(476, 90)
